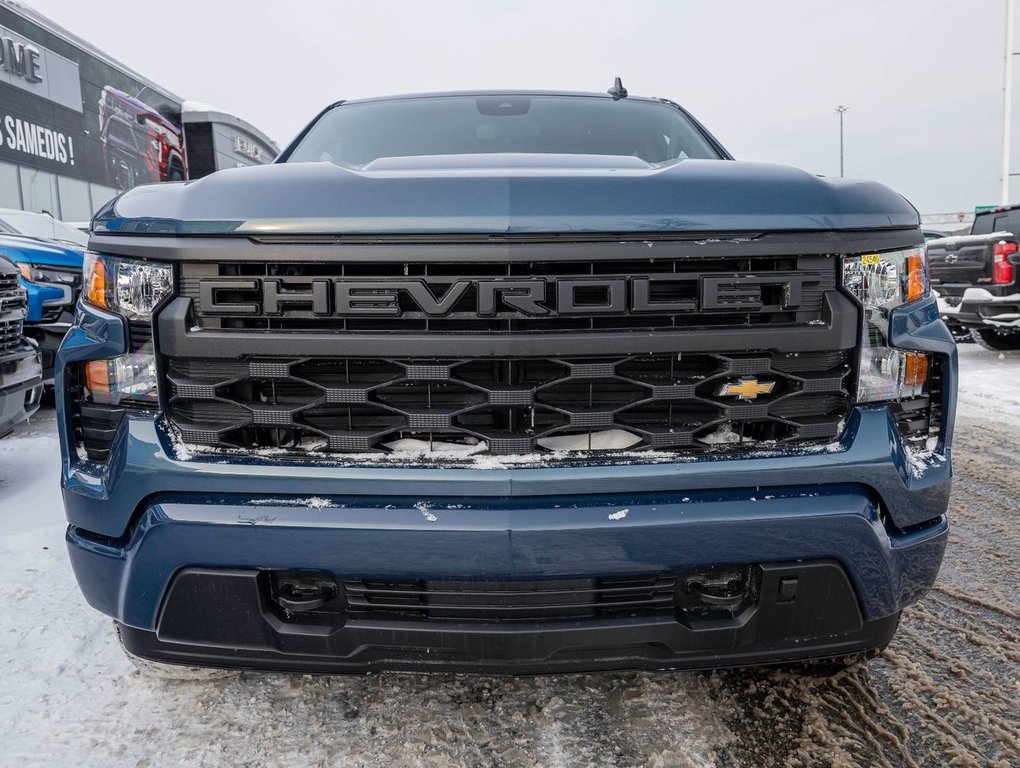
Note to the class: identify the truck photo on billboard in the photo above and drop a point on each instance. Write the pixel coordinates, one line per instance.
(77, 127)
(548, 383)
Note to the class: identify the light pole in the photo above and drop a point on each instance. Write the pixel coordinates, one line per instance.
(841, 110)
(1007, 102)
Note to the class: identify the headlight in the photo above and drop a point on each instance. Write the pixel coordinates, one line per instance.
(134, 289)
(129, 287)
(124, 380)
(29, 272)
(881, 282)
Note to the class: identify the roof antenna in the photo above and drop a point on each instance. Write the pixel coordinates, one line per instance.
(617, 91)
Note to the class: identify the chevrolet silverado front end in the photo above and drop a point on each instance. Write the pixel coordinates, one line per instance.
(509, 382)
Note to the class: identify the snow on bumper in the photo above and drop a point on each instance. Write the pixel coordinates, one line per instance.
(979, 307)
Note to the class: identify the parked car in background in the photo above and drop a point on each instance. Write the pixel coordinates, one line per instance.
(20, 370)
(48, 255)
(139, 144)
(976, 276)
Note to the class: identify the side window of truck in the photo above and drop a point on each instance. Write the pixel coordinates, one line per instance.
(982, 224)
(1006, 221)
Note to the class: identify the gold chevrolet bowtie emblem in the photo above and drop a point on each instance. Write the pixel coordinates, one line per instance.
(748, 389)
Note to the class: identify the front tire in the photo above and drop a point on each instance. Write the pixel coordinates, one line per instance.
(995, 340)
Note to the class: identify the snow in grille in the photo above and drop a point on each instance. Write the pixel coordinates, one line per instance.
(673, 402)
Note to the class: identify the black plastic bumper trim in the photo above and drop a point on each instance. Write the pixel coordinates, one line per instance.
(979, 314)
(222, 618)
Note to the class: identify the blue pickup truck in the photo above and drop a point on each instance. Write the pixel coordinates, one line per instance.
(505, 382)
(49, 255)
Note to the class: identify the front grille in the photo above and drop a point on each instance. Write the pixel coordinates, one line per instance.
(653, 292)
(12, 311)
(9, 286)
(508, 601)
(10, 334)
(690, 402)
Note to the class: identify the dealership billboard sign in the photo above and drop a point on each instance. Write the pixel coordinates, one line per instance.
(67, 110)
(36, 69)
(44, 76)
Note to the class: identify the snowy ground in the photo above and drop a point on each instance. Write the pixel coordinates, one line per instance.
(945, 693)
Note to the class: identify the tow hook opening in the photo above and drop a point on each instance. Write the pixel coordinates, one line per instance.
(304, 592)
(717, 593)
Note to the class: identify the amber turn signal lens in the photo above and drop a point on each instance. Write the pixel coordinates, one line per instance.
(95, 281)
(916, 283)
(97, 377)
(915, 369)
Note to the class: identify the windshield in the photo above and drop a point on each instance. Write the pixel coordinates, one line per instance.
(358, 133)
(43, 227)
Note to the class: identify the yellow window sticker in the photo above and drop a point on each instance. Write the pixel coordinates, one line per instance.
(871, 259)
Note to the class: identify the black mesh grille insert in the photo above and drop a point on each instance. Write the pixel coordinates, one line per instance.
(677, 402)
(507, 601)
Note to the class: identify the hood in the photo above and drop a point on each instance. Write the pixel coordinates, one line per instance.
(504, 195)
(40, 253)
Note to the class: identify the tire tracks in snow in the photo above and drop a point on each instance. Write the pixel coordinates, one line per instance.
(946, 691)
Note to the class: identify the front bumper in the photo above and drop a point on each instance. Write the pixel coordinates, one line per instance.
(864, 508)
(822, 620)
(20, 386)
(979, 308)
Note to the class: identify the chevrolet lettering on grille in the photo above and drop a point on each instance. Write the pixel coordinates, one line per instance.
(530, 297)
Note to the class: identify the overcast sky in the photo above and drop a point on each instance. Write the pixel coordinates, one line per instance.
(922, 78)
